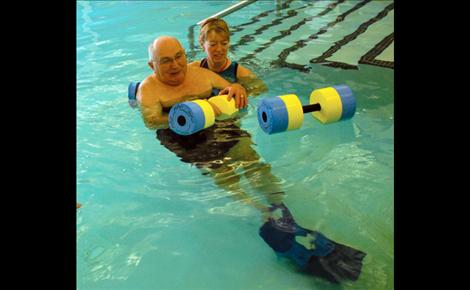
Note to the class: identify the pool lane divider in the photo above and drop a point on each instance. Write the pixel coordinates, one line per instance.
(281, 61)
(240, 27)
(291, 29)
(370, 56)
(250, 37)
(350, 37)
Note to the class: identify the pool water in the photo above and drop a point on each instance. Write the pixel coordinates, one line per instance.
(150, 221)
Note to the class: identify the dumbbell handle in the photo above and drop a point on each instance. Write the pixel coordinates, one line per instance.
(311, 108)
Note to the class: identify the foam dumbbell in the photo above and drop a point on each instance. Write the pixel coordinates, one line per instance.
(187, 118)
(286, 113)
(132, 93)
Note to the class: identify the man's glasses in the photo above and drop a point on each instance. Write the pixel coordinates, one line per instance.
(168, 60)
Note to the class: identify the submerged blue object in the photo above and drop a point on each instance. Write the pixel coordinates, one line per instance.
(132, 94)
(347, 100)
(324, 257)
(284, 243)
(186, 118)
(272, 115)
(322, 245)
(132, 90)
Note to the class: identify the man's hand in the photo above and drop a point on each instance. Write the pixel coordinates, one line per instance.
(237, 91)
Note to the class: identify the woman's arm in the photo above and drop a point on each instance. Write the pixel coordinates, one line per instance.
(253, 85)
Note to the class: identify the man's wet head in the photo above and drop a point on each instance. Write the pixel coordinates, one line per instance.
(168, 60)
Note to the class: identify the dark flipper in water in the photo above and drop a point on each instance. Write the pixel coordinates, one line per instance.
(326, 258)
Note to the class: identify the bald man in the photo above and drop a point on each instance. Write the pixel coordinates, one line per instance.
(173, 81)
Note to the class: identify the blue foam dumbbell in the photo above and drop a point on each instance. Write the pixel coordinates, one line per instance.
(187, 118)
(284, 113)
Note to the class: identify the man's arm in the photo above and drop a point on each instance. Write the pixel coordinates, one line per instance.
(217, 81)
(234, 90)
(153, 117)
(151, 109)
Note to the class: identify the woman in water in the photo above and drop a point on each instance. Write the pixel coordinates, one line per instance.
(214, 38)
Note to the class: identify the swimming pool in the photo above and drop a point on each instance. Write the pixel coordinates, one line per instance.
(150, 221)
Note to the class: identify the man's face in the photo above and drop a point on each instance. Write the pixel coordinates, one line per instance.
(169, 63)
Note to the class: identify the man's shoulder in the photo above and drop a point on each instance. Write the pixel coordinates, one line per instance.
(150, 80)
(146, 90)
(196, 68)
(196, 63)
(201, 71)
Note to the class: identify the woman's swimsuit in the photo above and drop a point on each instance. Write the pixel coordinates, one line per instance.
(206, 148)
(230, 73)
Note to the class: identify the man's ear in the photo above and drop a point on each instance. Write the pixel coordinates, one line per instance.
(151, 65)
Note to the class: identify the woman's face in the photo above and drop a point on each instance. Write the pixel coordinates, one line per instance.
(216, 47)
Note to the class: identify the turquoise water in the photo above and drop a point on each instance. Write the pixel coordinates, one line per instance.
(150, 221)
